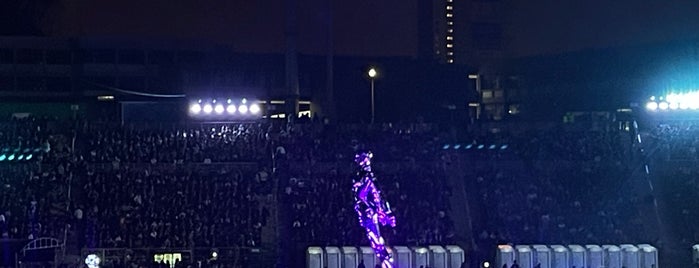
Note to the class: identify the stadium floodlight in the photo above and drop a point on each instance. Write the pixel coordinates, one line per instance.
(254, 108)
(3, 157)
(195, 108)
(219, 108)
(651, 105)
(21, 157)
(11, 157)
(29, 157)
(674, 105)
(208, 108)
(243, 109)
(457, 146)
(446, 146)
(481, 146)
(504, 147)
(663, 105)
(230, 109)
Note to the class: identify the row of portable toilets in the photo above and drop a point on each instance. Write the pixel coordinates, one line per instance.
(577, 256)
(403, 257)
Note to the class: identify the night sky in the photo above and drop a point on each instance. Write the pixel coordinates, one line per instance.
(367, 28)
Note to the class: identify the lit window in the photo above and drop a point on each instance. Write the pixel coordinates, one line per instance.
(449, 15)
(450, 45)
(450, 7)
(450, 37)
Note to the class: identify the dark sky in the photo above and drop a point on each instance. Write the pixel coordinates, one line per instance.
(361, 28)
(377, 27)
(550, 26)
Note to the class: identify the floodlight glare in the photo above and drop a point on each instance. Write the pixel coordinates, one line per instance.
(195, 108)
(652, 106)
(674, 105)
(208, 108)
(254, 108)
(663, 105)
(230, 109)
(21, 157)
(245, 101)
(684, 105)
(219, 109)
(243, 109)
(3, 157)
(29, 157)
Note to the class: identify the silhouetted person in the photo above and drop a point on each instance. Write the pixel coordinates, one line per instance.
(361, 264)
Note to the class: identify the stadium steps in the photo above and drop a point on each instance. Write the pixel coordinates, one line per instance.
(461, 210)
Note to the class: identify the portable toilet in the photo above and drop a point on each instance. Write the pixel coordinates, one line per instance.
(649, 256)
(368, 255)
(577, 256)
(524, 256)
(421, 256)
(504, 256)
(350, 257)
(612, 256)
(561, 257)
(333, 258)
(595, 256)
(402, 256)
(438, 257)
(630, 257)
(542, 256)
(456, 256)
(314, 257)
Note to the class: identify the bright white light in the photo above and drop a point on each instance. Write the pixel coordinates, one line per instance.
(208, 108)
(684, 105)
(372, 73)
(254, 108)
(195, 108)
(231, 109)
(243, 109)
(219, 109)
(663, 105)
(674, 105)
(486, 264)
(652, 98)
(214, 254)
(92, 261)
(245, 101)
(652, 106)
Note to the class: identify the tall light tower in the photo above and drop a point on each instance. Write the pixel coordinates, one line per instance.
(372, 76)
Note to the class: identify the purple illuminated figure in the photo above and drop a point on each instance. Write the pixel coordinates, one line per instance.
(372, 210)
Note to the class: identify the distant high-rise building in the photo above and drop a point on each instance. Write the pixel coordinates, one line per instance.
(470, 32)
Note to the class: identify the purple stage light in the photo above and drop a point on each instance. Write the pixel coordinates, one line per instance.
(372, 210)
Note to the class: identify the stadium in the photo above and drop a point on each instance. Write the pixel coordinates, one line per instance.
(309, 139)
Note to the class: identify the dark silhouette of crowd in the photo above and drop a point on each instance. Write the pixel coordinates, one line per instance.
(205, 185)
(316, 172)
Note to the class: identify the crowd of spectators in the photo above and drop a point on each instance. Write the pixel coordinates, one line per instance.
(128, 186)
(316, 172)
(556, 186)
(673, 157)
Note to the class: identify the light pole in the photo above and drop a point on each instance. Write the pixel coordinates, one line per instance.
(477, 77)
(372, 75)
